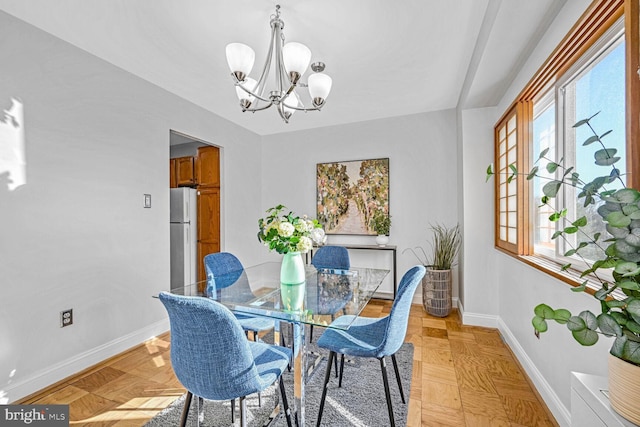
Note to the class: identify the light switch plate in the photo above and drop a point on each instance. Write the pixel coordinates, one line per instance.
(147, 200)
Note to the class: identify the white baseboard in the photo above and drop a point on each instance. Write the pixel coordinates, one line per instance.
(477, 319)
(553, 402)
(62, 370)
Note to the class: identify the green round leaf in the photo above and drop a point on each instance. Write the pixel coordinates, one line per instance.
(633, 308)
(539, 324)
(632, 240)
(576, 323)
(627, 269)
(632, 352)
(618, 219)
(585, 337)
(617, 349)
(580, 222)
(543, 153)
(562, 315)
(550, 189)
(627, 195)
(606, 157)
(616, 304)
(628, 284)
(590, 319)
(590, 140)
(608, 325)
(632, 326)
(630, 257)
(620, 318)
(544, 311)
(624, 247)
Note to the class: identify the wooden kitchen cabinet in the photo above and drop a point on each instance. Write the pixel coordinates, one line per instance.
(185, 171)
(173, 180)
(208, 225)
(208, 167)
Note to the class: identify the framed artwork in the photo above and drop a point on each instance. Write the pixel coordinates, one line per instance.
(348, 194)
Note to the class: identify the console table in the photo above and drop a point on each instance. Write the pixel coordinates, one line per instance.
(391, 248)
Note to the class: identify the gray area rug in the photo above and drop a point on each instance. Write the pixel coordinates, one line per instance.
(359, 402)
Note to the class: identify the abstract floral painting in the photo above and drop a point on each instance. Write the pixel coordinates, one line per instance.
(350, 193)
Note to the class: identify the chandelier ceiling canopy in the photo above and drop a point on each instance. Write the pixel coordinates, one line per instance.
(291, 62)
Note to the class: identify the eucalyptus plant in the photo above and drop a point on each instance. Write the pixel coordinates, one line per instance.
(619, 209)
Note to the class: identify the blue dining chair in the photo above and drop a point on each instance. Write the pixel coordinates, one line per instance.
(334, 257)
(373, 337)
(224, 269)
(212, 358)
(331, 257)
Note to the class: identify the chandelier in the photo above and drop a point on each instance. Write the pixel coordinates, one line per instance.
(291, 62)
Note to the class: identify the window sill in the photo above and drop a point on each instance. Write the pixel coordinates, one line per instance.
(554, 269)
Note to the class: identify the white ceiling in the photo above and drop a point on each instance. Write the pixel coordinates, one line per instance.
(386, 58)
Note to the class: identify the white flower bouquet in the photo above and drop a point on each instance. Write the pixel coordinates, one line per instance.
(289, 233)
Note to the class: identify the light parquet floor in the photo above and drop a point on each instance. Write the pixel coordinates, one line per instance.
(462, 376)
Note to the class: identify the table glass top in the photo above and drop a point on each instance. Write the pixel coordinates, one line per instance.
(326, 293)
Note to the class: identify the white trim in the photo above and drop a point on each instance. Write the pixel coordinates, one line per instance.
(553, 402)
(477, 319)
(77, 363)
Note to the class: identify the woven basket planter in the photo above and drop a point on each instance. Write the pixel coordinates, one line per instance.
(624, 388)
(436, 292)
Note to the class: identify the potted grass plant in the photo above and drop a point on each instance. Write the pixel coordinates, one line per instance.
(437, 282)
(613, 279)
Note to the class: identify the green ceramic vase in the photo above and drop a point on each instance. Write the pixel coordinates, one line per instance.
(292, 281)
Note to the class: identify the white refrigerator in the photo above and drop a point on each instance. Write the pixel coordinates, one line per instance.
(183, 223)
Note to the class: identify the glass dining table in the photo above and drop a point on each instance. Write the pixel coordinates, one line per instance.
(326, 294)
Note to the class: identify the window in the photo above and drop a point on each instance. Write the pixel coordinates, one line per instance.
(586, 74)
(594, 84)
(544, 138)
(506, 190)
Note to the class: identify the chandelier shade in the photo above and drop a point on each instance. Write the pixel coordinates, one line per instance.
(240, 58)
(245, 96)
(319, 88)
(296, 58)
(290, 62)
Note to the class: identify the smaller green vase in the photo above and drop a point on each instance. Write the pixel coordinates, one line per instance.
(292, 281)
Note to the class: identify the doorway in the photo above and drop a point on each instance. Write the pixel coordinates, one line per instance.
(195, 167)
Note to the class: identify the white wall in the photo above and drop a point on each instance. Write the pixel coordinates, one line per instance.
(422, 172)
(480, 302)
(508, 294)
(76, 234)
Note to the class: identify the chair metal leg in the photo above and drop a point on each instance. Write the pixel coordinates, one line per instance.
(327, 375)
(341, 369)
(335, 363)
(387, 393)
(243, 412)
(395, 368)
(233, 411)
(259, 400)
(311, 333)
(285, 403)
(185, 410)
(200, 410)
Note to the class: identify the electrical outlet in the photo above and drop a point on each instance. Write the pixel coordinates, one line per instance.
(66, 318)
